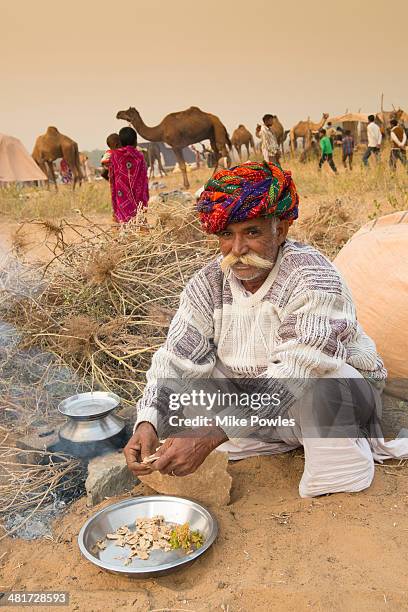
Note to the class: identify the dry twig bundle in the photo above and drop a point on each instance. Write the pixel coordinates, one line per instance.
(104, 305)
(29, 479)
(328, 228)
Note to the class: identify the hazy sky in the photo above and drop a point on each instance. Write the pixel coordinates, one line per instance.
(75, 64)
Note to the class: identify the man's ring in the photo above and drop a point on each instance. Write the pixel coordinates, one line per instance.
(172, 473)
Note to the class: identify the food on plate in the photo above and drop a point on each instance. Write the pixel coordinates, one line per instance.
(152, 534)
(182, 537)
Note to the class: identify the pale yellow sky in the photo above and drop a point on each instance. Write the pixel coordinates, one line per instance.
(74, 64)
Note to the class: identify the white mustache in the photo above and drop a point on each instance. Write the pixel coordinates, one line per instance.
(251, 259)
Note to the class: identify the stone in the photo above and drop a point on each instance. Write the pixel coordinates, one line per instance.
(108, 476)
(43, 438)
(394, 415)
(210, 484)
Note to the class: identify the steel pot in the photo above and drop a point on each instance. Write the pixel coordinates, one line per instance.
(91, 422)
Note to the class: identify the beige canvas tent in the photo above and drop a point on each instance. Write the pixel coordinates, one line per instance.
(355, 122)
(16, 164)
(374, 263)
(350, 117)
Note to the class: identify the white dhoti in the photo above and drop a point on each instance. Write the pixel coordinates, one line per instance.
(332, 465)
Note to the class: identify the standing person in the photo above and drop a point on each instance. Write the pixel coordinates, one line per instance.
(269, 144)
(398, 144)
(113, 142)
(338, 139)
(374, 140)
(327, 151)
(197, 155)
(65, 171)
(348, 148)
(331, 133)
(128, 177)
(86, 168)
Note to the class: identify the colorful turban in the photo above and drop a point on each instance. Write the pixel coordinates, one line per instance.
(253, 189)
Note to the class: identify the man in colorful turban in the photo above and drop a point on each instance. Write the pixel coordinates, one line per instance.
(272, 321)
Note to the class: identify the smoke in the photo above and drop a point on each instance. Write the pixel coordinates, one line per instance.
(32, 381)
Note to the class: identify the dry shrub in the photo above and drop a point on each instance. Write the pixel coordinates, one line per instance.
(51, 227)
(108, 331)
(100, 268)
(178, 218)
(20, 241)
(328, 228)
(159, 316)
(78, 336)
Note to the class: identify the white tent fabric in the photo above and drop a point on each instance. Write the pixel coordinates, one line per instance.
(16, 164)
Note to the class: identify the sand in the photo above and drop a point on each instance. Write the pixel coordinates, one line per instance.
(275, 551)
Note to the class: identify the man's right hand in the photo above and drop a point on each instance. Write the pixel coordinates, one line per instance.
(142, 444)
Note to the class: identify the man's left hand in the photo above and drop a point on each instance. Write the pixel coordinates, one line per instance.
(183, 455)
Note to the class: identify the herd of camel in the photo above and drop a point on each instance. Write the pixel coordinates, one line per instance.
(177, 130)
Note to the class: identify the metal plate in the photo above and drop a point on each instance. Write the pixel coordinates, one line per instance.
(174, 509)
(86, 405)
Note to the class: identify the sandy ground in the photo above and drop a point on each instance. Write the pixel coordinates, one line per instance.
(275, 551)
(37, 244)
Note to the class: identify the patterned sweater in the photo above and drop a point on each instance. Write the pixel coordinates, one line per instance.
(300, 324)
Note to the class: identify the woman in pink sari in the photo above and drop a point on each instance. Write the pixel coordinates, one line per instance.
(128, 178)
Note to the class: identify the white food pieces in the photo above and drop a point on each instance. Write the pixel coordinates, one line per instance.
(149, 534)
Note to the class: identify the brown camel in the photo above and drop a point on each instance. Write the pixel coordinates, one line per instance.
(181, 129)
(383, 119)
(242, 137)
(277, 129)
(53, 145)
(301, 129)
(153, 155)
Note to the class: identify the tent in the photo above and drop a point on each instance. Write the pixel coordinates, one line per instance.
(16, 164)
(355, 122)
(374, 263)
(350, 117)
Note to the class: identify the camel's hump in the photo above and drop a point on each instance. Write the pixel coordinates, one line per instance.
(52, 128)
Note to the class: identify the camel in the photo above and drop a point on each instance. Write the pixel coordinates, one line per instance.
(242, 137)
(53, 145)
(311, 149)
(153, 155)
(181, 129)
(384, 118)
(301, 129)
(280, 133)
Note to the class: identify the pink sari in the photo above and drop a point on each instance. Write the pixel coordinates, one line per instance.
(129, 183)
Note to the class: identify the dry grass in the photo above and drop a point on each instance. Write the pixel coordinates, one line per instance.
(40, 203)
(104, 305)
(30, 479)
(20, 241)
